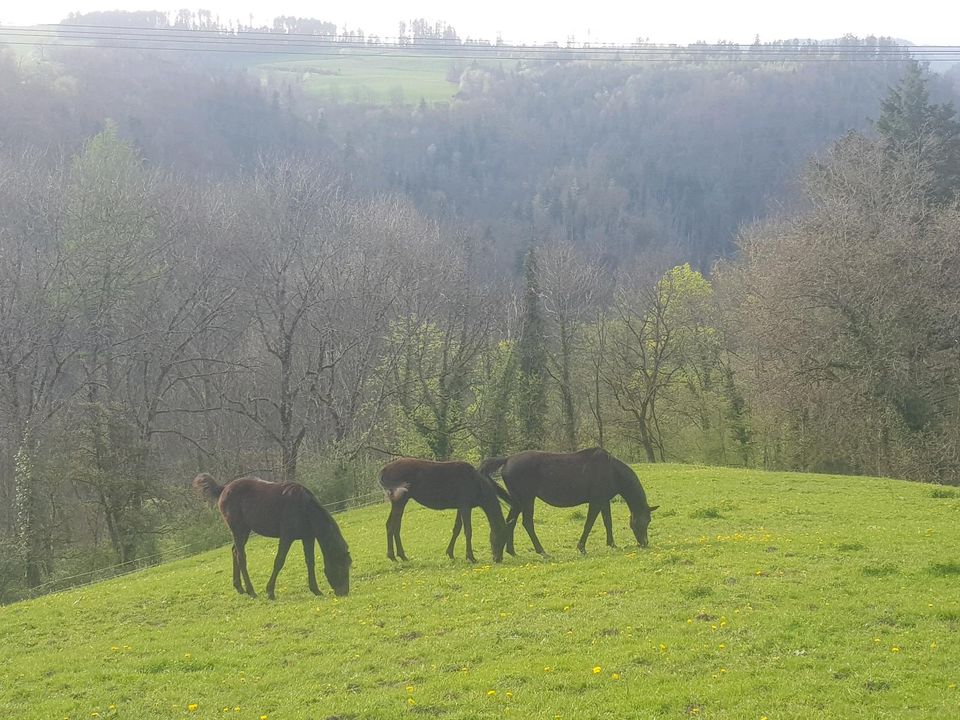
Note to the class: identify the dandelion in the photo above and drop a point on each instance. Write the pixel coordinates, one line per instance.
(192, 707)
(491, 693)
(411, 702)
(509, 694)
(614, 676)
(409, 688)
(114, 648)
(663, 648)
(933, 645)
(597, 670)
(547, 668)
(263, 717)
(895, 649)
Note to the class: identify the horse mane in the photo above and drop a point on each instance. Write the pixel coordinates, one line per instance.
(208, 488)
(630, 488)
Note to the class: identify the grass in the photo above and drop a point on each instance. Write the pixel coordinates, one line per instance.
(390, 78)
(807, 596)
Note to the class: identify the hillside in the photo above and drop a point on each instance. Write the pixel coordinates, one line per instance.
(762, 595)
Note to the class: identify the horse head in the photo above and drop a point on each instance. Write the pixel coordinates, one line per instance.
(337, 570)
(639, 522)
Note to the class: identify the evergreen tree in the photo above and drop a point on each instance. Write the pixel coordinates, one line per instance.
(911, 126)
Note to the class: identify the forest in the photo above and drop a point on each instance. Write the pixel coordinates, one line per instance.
(743, 262)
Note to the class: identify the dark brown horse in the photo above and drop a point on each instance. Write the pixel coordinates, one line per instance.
(449, 485)
(591, 476)
(280, 510)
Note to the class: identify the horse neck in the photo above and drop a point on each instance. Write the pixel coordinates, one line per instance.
(490, 505)
(630, 489)
(328, 534)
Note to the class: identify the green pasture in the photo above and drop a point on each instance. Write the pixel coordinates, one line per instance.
(377, 79)
(763, 595)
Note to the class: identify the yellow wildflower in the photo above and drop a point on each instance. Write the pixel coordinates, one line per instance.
(597, 670)
(192, 707)
(615, 676)
(491, 693)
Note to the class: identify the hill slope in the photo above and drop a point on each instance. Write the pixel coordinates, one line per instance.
(762, 595)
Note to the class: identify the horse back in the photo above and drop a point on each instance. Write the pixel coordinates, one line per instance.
(561, 479)
(268, 509)
(439, 485)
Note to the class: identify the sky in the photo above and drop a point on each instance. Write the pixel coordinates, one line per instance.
(923, 22)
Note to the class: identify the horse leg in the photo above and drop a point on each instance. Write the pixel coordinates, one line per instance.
(236, 566)
(309, 558)
(465, 513)
(511, 526)
(528, 526)
(393, 529)
(608, 523)
(457, 524)
(587, 527)
(240, 563)
(282, 549)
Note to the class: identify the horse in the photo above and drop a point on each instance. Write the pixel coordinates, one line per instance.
(591, 476)
(288, 511)
(443, 486)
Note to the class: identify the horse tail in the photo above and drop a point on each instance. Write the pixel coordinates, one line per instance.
(501, 492)
(489, 466)
(393, 489)
(490, 491)
(207, 487)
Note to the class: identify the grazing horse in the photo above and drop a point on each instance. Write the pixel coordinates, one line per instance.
(280, 510)
(443, 486)
(591, 476)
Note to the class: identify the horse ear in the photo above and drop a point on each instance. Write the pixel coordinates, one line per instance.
(653, 507)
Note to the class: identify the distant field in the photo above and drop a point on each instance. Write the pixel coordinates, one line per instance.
(762, 596)
(374, 79)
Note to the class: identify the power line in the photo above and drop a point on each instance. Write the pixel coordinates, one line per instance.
(300, 44)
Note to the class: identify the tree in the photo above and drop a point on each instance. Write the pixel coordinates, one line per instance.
(37, 315)
(848, 313)
(531, 358)
(911, 127)
(656, 336)
(571, 288)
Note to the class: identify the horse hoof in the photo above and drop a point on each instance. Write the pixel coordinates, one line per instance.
(583, 550)
(392, 558)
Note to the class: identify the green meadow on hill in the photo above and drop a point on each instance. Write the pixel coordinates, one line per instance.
(762, 595)
(370, 77)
